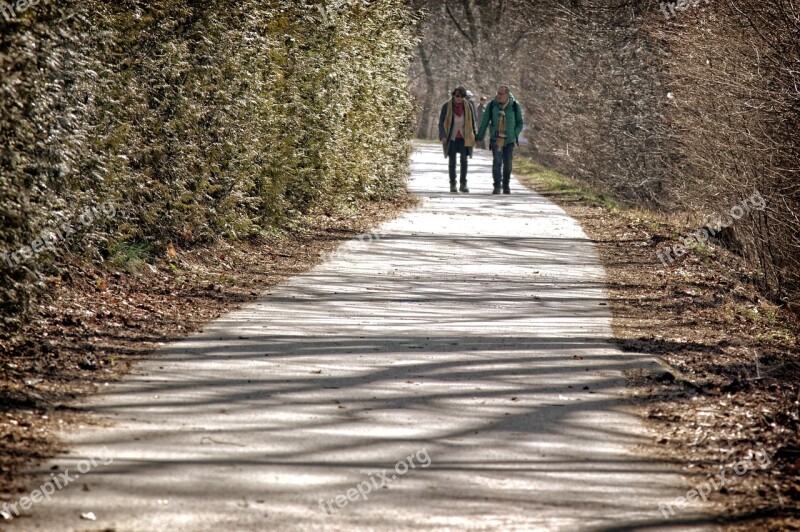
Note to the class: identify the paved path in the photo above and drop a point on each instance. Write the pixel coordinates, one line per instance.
(468, 337)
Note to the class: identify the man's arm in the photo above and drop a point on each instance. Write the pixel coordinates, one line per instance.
(520, 123)
(484, 123)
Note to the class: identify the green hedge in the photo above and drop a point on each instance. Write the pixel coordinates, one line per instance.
(197, 120)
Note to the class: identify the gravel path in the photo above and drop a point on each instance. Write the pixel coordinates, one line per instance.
(451, 371)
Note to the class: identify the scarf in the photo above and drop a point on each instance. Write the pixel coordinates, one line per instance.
(501, 124)
(469, 134)
(459, 110)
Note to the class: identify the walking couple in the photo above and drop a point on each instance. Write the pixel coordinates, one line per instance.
(457, 132)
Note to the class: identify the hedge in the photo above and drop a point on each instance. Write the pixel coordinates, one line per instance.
(195, 120)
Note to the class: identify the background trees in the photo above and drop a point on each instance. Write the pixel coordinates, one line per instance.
(685, 107)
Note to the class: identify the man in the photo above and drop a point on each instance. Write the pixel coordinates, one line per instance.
(503, 117)
(457, 134)
(480, 111)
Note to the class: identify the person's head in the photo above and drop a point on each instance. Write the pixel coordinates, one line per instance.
(502, 94)
(483, 99)
(459, 93)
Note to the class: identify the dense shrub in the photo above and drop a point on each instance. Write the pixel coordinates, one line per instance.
(196, 119)
(734, 122)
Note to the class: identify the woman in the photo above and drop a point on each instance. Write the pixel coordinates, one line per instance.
(457, 134)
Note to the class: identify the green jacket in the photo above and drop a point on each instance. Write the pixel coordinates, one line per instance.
(491, 117)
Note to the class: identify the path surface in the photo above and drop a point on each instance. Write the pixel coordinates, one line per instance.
(472, 331)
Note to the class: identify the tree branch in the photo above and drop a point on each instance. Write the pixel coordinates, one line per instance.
(458, 26)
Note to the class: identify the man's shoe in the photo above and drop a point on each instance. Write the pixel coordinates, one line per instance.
(453, 188)
(506, 190)
(464, 188)
(496, 190)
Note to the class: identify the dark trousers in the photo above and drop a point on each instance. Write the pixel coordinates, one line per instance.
(501, 164)
(457, 147)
